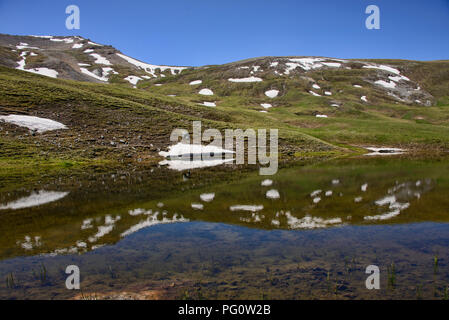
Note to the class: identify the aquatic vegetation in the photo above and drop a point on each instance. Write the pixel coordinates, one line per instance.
(391, 272)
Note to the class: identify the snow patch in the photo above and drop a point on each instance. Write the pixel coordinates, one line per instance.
(150, 68)
(249, 79)
(206, 92)
(272, 93)
(33, 123)
(133, 79)
(195, 82)
(266, 105)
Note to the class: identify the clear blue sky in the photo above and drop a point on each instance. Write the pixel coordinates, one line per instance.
(200, 32)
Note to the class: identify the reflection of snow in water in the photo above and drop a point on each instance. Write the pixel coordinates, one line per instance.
(309, 222)
(109, 224)
(335, 181)
(254, 218)
(35, 199)
(252, 208)
(152, 220)
(182, 156)
(358, 199)
(364, 187)
(316, 199)
(384, 151)
(395, 207)
(180, 165)
(207, 197)
(315, 193)
(273, 194)
(328, 193)
(28, 244)
(401, 191)
(197, 206)
(266, 183)
(87, 224)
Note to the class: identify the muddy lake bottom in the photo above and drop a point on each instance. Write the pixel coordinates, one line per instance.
(392, 213)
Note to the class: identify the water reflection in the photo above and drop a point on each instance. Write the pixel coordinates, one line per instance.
(335, 195)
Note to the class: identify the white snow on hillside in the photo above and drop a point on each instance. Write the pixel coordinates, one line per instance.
(33, 123)
(43, 37)
(42, 71)
(383, 68)
(314, 93)
(310, 64)
(315, 86)
(195, 82)
(272, 93)
(66, 40)
(77, 46)
(24, 45)
(206, 92)
(321, 116)
(150, 68)
(363, 98)
(249, 79)
(133, 79)
(332, 64)
(100, 60)
(181, 149)
(180, 156)
(266, 105)
(386, 84)
(95, 44)
(93, 75)
(209, 104)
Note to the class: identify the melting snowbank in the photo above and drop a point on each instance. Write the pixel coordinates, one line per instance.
(33, 123)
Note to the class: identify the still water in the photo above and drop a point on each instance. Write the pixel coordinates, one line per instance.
(308, 232)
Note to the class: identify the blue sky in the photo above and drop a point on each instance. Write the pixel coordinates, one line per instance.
(200, 32)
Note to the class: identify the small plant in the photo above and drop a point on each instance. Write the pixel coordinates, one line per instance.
(89, 296)
(446, 293)
(263, 296)
(43, 273)
(336, 287)
(435, 264)
(328, 281)
(10, 282)
(186, 295)
(419, 292)
(112, 273)
(392, 276)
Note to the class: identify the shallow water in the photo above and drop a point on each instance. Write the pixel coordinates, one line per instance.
(309, 234)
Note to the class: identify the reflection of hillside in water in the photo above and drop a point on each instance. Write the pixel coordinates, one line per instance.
(294, 199)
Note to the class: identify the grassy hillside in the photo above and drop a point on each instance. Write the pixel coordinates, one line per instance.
(116, 126)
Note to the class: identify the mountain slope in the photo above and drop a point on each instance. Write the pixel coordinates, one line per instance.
(323, 107)
(76, 58)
